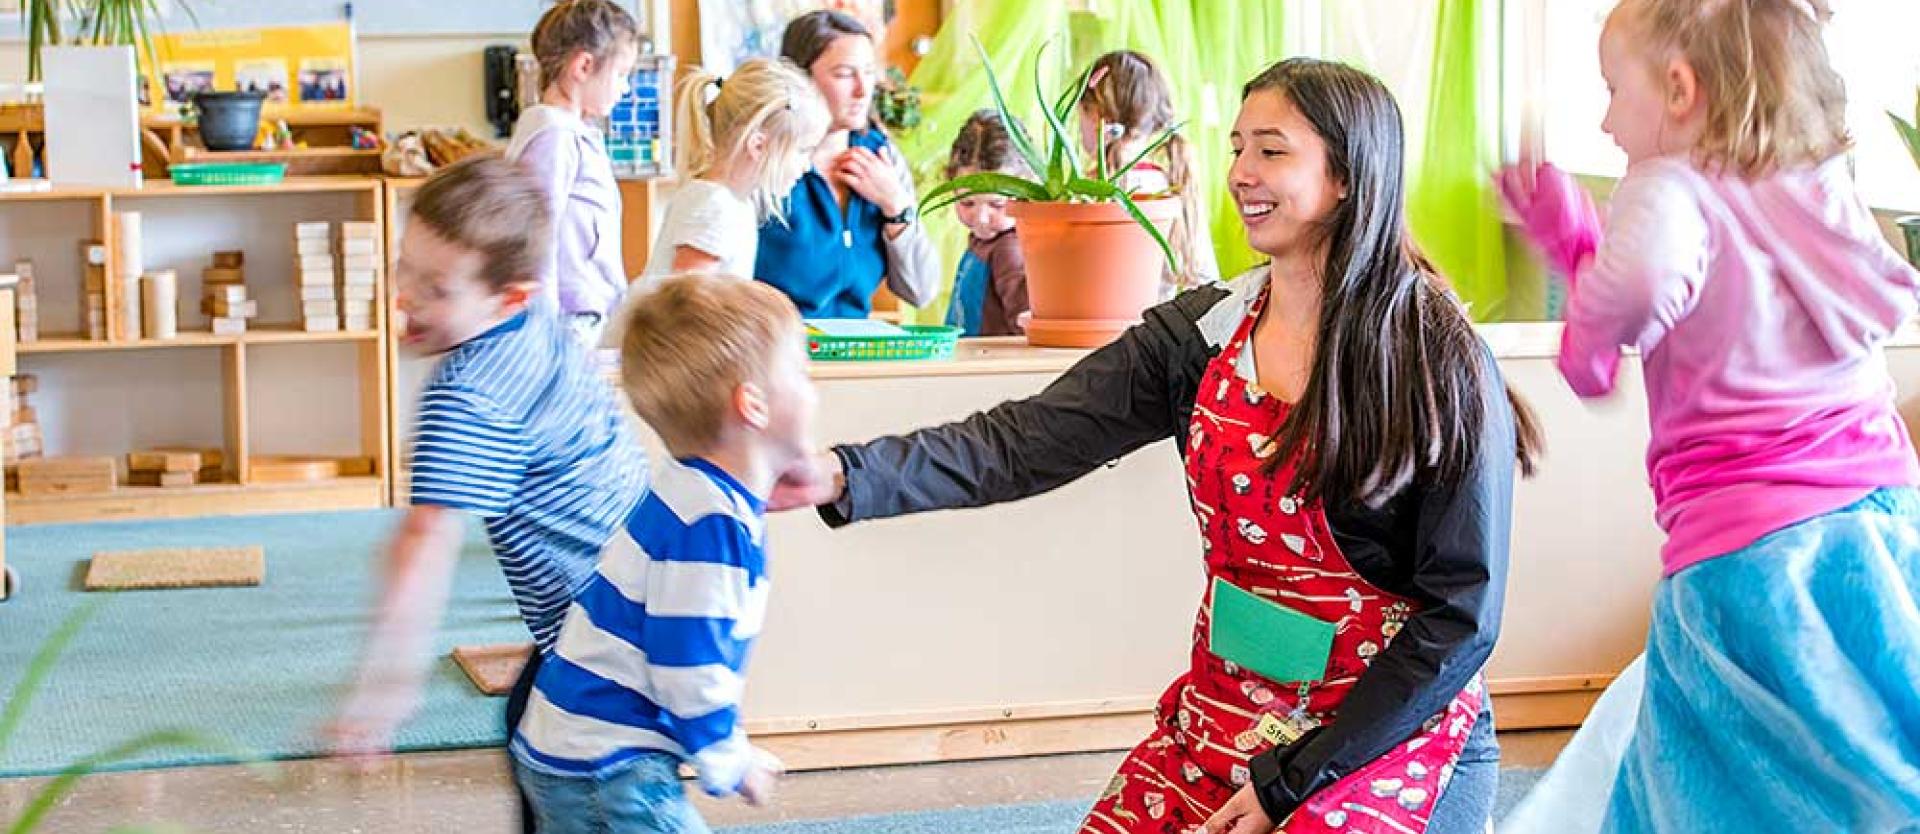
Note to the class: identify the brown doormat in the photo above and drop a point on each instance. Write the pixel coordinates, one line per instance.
(177, 567)
(494, 668)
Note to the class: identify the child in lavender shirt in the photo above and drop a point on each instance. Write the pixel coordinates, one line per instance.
(587, 50)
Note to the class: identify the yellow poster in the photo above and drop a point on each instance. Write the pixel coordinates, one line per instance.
(296, 66)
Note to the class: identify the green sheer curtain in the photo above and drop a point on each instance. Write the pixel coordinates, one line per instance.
(1451, 205)
(1441, 58)
(1443, 64)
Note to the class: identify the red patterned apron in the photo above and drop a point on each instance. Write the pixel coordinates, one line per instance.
(1279, 548)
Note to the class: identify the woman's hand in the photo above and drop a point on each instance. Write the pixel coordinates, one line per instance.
(815, 480)
(872, 178)
(1241, 815)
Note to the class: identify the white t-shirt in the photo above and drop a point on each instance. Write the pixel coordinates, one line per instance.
(709, 217)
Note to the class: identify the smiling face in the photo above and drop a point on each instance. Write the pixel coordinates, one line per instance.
(442, 295)
(1280, 178)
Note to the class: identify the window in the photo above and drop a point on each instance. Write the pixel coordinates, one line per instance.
(1869, 41)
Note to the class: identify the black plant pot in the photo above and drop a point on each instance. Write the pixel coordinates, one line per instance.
(228, 121)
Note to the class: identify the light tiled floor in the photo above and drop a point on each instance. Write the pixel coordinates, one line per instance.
(468, 792)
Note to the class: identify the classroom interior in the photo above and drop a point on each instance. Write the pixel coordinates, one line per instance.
(179, 380)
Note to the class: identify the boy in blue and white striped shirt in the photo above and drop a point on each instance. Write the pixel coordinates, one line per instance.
(650, 664)
(514, 428)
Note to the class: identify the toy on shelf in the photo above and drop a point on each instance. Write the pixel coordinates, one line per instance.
(93, 314)
(168, 468)
(26, 304)
(359, 248)
(640, 128)
(67, 476)
(160, 304)
(123, 288)
(223, 296)
(314, 272)
(23, 438)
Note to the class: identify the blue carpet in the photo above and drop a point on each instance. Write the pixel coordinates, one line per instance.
(260, 667)
(1037, 818)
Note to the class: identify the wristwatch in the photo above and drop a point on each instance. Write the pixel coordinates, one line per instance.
(905, 216)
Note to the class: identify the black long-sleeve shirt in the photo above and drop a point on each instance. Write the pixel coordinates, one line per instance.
(1445, 548)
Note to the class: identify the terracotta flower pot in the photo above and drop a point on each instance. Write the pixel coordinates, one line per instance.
(1911, 226)
(1091, 270)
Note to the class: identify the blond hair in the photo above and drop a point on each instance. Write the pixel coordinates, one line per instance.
(493, 207)
(1773, 100)
(766, 96)
(690, 341)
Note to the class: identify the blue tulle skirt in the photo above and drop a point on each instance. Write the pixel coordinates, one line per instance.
(1782, 684)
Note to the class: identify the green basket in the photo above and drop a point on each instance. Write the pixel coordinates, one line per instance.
(920, 342)
(227, 173)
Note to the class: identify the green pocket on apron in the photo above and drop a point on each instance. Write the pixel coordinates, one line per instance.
(1271, 639)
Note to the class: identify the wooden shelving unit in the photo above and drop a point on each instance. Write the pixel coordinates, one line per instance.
(374, 370)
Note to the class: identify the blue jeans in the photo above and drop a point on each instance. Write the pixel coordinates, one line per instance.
(643, 796)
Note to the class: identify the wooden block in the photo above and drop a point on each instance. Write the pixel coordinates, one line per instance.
(215, 276)
(318, 308)
(67, 476)
(358, 229)
(216, 308)
(230, 259)
(313, 228)
(354, 467)
(25, 415)
(356, 292)
(279, 469)
(182, 567)
(318, 292)
(353, 324)
(360, 262)
(315, 279)
(230, 293)
(308, 247)
(209, 458)
(359, 277)
(321, 324)
(228, 326)
(359, 246)
(493, 669)
(315, 263)
(164, 460)
(163, 479)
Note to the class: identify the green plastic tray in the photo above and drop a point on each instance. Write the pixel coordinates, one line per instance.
(920, 342)
(227, 173)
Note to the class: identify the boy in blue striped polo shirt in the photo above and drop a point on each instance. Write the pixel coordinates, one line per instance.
(649, 668)
(514, 428)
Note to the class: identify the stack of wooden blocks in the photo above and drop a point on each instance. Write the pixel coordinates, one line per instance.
(224, 294)
(359, 273)
(93, 258)
(23, 439)
(316, 270)
(68, 476)
(174, 467)
(26, 304)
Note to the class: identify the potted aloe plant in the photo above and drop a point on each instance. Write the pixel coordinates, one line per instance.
(1910, 131)
(1094, 252)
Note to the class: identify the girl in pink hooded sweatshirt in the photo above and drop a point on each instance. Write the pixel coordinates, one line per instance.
(1780, 672)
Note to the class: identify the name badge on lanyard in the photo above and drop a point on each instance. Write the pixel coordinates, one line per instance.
(846, 238)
